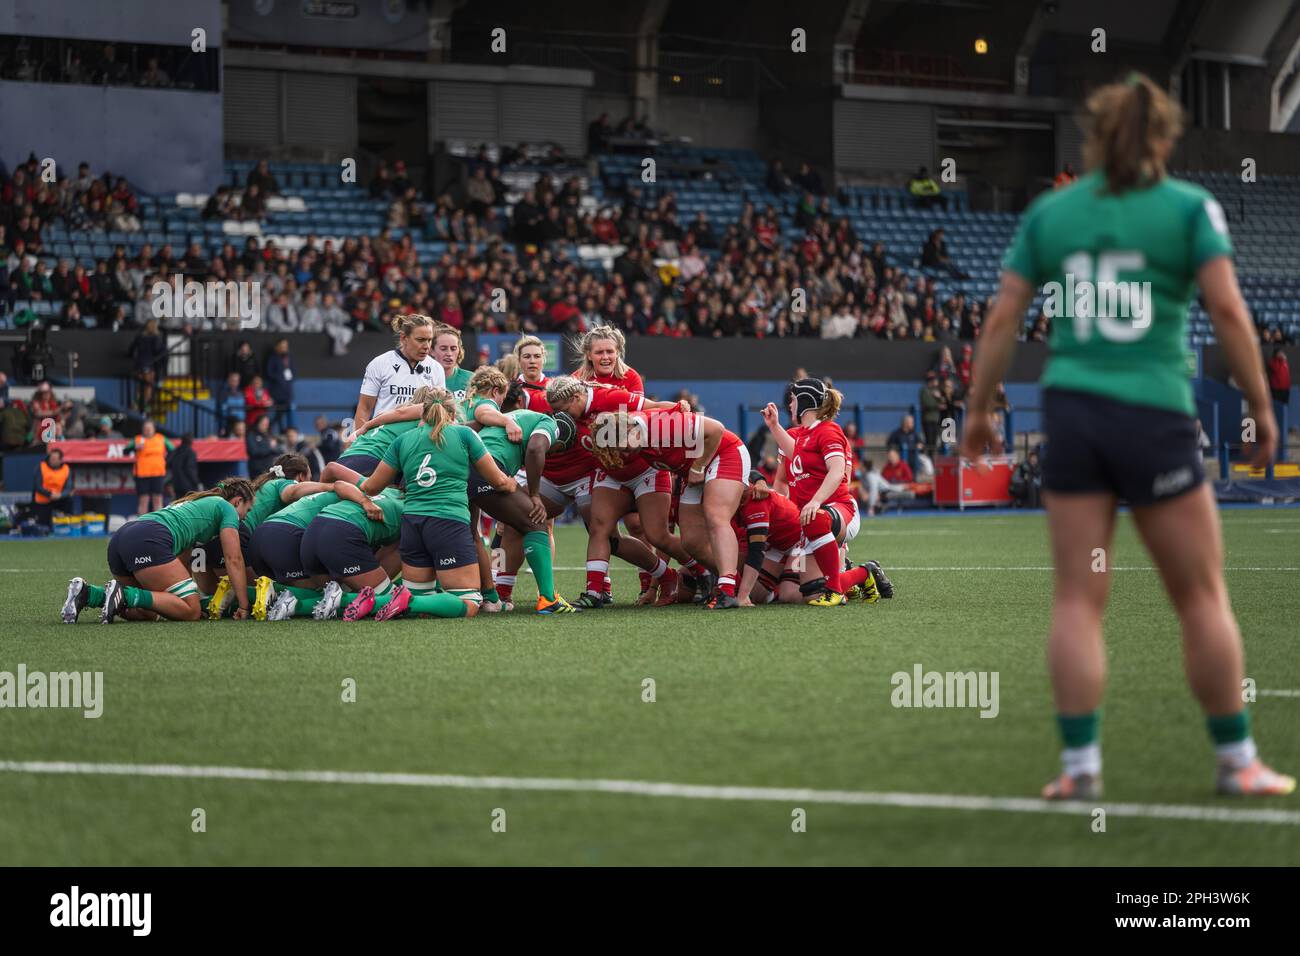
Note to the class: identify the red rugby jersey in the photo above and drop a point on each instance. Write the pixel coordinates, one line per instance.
(776, 516)
(632, 381)
(674, 437)
(805, 469)
(534, 398)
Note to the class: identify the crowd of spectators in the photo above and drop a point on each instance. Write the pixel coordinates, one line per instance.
(513, 272)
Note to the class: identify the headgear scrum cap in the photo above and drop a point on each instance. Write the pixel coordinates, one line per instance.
(808, 394)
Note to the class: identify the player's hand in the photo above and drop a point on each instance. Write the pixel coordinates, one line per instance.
(770, 415)
(1265, 448)
(373, 511)
(808, 512)
(509, 488)
(241, 614)
(695, 476)
(759, 490)
(537, 513)
(683, 405)
(976, 435)
(513, 432)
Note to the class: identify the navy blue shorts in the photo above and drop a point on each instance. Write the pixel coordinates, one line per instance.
(149, 486)
(480, 486)
(215, 555)
(361, 464)
(140, 544)
(438, 543)
(338, 548)
(1141, 454)
(277, 551)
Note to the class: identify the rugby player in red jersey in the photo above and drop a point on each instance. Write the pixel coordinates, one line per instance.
(775, 540)
(613, 497)
(530, 353)
(604, 352)
(713, 463)
(604, 361)
(815, 463)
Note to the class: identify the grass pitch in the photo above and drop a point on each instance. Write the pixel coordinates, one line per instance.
(774, 697)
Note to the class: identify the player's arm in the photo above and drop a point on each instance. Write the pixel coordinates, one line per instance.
(834, 475)
(713, 431)
(534, 463)
(772, 418)
(365, 408)
(301, 489)
(235, 569)
(488, 415)
(402, 413)
(1236, 334)
(383, 476)
(348, 491)
(780, 484)
(498, 479)
(997, 345)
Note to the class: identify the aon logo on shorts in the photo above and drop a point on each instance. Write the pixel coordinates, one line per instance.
(443, 562)
(424, 475)
(145, 560)
(352, 570)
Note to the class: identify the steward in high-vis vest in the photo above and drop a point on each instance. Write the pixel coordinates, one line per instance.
(150, 449)
(52, 476)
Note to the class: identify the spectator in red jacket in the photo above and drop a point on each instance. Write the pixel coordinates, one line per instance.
(896, 471)
(1279, 377)
(257, 401)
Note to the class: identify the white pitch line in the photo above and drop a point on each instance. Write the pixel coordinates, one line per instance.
(684, 791)
(1036, 567)
(1279, 693)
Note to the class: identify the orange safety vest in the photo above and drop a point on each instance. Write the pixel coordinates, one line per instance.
(53, 480)
(150, 456)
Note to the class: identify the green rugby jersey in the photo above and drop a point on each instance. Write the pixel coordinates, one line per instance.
(437, 476)
(1091, 244)
(458, 383)
(192, 522)
(302, 511)
(470, 405)
(511, 454)
(378, 533)
(375, 441)
(266, 502)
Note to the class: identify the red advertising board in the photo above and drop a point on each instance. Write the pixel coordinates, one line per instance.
(962, 484)
(105, 468)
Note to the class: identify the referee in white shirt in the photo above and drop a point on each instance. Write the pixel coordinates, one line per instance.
(393, 377)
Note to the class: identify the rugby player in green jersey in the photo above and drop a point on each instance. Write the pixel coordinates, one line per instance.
(436, 544)
(449, 352)
(1120, 254)
(149, 558)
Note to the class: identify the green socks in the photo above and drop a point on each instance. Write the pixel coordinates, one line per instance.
(1230, 728)
(137, 597)
(438, 605)
(94, 595)
(537, 552)
(1079, 730)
